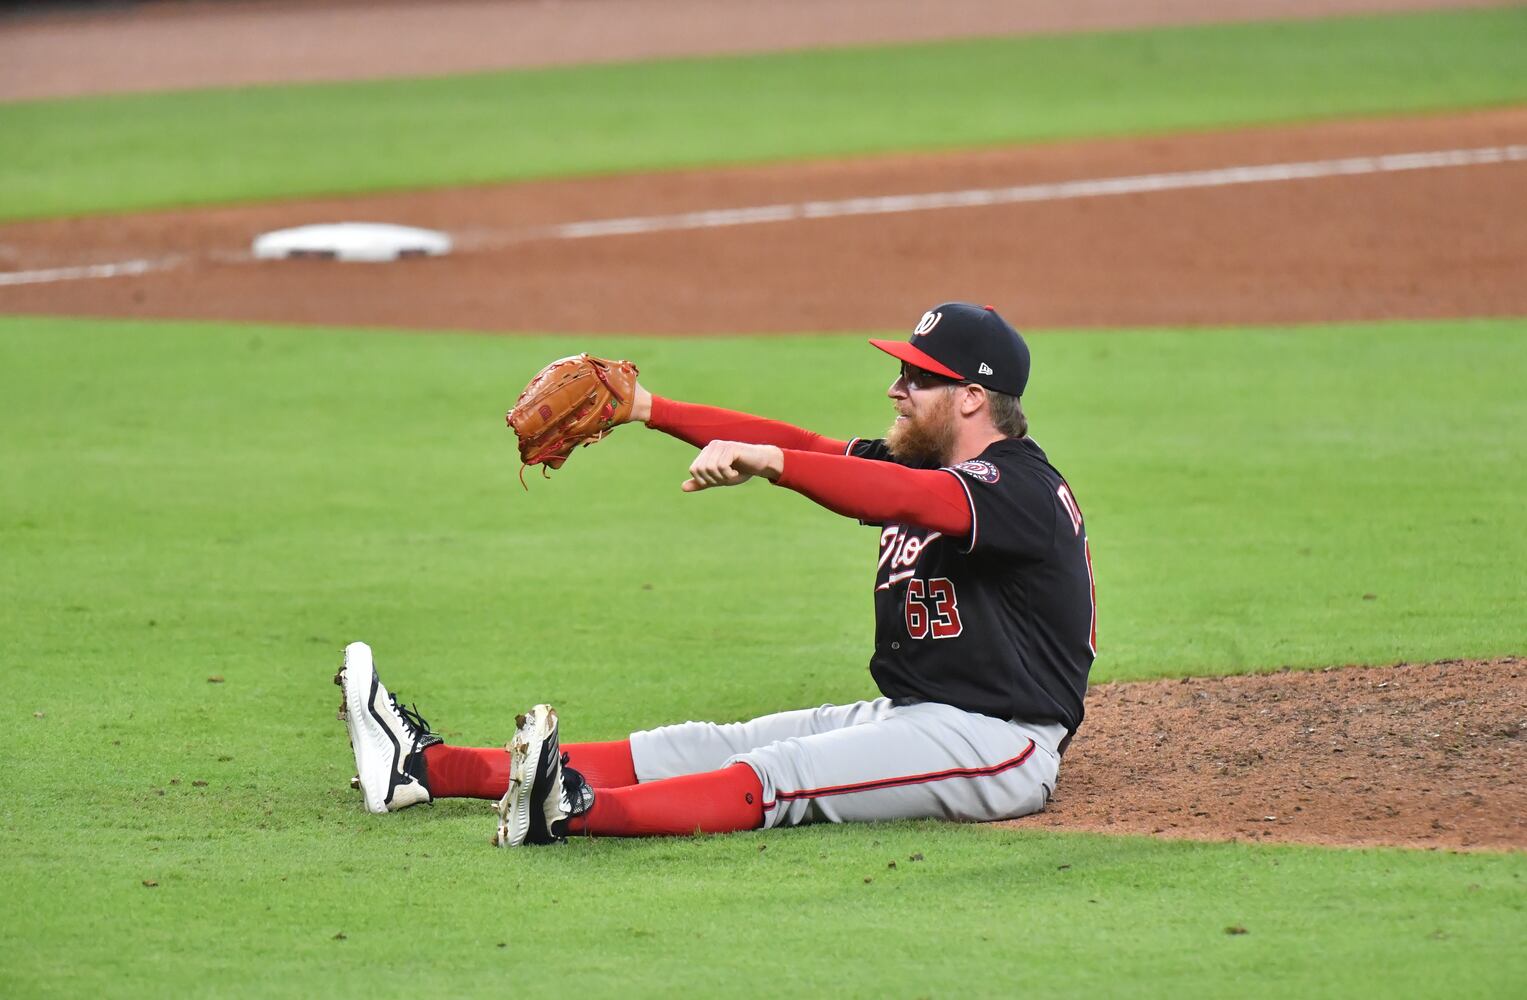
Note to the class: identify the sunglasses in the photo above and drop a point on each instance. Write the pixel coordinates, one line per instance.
(922, 378)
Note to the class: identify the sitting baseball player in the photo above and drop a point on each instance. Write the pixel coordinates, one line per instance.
(985, 621)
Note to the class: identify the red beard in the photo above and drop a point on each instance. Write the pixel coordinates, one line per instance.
(924, 437)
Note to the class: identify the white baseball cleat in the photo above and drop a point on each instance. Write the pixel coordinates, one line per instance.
(388, 739)
(535, 743)
(543, 792)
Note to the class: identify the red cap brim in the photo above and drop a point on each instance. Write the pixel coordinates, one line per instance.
(904, 351)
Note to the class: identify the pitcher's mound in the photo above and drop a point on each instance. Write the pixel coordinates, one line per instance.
(1417, 755)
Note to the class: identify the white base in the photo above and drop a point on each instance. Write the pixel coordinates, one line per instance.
(351, 241)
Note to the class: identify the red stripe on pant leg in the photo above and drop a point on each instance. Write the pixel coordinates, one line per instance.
(603, 765)
(710, 802)
(466, 772)
(911, 779)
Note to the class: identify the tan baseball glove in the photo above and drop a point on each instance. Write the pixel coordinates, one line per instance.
(572, 401)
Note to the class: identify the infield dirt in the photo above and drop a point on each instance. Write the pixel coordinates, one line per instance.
(1414, 755)
(1418, 244)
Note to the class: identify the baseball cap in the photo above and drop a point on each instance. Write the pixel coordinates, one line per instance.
(967, 342)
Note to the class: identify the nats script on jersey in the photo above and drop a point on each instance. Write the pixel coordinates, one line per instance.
(1003, 622)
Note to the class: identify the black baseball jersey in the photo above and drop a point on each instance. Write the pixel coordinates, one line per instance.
(1002, 622)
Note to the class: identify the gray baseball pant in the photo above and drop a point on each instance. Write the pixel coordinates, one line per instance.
(872, 760)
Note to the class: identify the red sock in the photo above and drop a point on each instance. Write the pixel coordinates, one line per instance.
(603, 765)
(483, 772)
(712, 802)
(466, 772)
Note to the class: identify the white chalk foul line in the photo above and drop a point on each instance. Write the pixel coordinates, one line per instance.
(115, 270)
(896, 204)
(1056, 191)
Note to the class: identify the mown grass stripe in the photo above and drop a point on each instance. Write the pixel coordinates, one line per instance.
(200, 147)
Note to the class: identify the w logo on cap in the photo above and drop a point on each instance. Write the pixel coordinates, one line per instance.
(927, 323)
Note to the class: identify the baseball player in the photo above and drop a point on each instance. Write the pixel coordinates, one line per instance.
(985, 629)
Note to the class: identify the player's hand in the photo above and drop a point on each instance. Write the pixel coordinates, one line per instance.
(728, 463)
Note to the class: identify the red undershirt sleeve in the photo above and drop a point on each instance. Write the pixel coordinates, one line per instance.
(700, 425)
(880, 492)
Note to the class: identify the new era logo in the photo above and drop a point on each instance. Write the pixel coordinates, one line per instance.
(985, 368)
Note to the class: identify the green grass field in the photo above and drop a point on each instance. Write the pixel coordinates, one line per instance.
(148, 151)
(363, 484)
(184, 501)
(181, 502)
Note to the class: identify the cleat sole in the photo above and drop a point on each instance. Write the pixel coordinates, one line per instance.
(372, 760)
(524, 757)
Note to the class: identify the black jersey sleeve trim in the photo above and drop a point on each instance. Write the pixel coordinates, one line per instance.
(970, 500)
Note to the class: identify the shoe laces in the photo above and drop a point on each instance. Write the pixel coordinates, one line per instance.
(580, 796)
(417, 728)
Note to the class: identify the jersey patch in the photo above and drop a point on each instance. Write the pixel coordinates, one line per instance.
(981, 469)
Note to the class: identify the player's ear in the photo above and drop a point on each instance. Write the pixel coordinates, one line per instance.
(972, 399)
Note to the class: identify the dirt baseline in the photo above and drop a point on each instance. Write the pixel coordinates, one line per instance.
(1416, 755)
(1414, 244)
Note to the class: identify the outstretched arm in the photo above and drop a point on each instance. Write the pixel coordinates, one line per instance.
(876, 492)
(699, 425)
